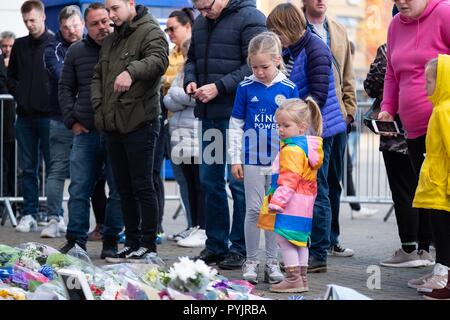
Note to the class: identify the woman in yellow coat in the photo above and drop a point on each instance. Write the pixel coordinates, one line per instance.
(433, 190)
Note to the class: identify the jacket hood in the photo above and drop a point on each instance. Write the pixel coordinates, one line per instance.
(295, 49)
(239, 4)
(126, 29)
(234, 5)
(60, 38)
(432, 4)
(312, 146)
(442, 91)
(428, 10)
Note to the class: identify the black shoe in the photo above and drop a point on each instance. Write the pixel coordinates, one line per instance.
(142, 255)
(208, 257)
(121, 255)
(232, 261)
(316, 266)
(69, 245)
(109, 248)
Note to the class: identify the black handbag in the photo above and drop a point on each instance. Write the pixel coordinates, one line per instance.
(372, 114)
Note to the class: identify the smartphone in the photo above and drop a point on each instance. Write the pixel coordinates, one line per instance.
(385, 127)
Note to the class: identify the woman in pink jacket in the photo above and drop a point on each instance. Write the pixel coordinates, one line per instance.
(419, 33)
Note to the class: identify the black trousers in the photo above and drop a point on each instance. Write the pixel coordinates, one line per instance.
(132, 163)
(403, 184)
(191, 173)
(350, 185)
(98, 201)
(440, 226)
(158, 162)
(416, 150)
(8, 168)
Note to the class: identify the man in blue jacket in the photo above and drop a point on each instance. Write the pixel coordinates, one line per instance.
(71, 27)
(28, 83)
(215, 66)
(88, 155)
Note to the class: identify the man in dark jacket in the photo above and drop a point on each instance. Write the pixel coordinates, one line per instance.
(215, 66)
(88, 155)
(70, 31)
(8, 142)
(125, 98)
(28, 83)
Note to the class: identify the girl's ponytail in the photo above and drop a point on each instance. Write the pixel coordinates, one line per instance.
(316, 116)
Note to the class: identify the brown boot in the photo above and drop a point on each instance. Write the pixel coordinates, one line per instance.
(292, 282)
(304, 277)
(96, 235)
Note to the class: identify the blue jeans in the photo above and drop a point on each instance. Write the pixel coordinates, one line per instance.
(61, 140)
(334, 183)
(217, 216)
(32, 138)
(320, 235)
(87, 159)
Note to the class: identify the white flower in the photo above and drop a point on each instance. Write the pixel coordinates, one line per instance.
(202, 268)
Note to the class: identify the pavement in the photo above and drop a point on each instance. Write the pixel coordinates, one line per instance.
(372, 240)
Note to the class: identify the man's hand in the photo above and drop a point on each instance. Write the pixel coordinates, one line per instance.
(206, 93)
(191, 88)
(237, 171)
(123, 82)
(78, 129)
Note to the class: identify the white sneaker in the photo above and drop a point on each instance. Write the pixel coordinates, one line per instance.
(27, 224)
(364, 212)
(52, 230)
(340, 251)
(437, 281)
(183, 234)
(426, 258)
(196, 239)
(62, 226)
(272, 272)
(250, 271)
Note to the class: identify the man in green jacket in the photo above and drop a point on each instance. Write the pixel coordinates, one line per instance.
(125, 98)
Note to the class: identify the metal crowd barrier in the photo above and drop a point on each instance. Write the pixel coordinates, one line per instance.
(7, 200)
(369, 173)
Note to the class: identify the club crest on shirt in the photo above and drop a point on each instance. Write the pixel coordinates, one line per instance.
(279, 99)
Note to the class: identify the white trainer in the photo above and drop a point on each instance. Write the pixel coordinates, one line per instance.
(182, 235)
(272, 272)
(52, 230)
(27, 224)
(195, 240)
(250, 271)
(437, 281)
(364, 212)
(62, 226)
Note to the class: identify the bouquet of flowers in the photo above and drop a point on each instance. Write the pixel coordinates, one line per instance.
(189, 276)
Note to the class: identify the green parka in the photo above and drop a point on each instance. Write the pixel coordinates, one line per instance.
(141, 48)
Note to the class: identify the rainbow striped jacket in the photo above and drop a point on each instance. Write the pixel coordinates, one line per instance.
(288, 205)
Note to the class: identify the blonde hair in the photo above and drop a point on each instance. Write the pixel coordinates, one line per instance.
(266, 43)
(303, 111)
(285, 19)
(432, 66)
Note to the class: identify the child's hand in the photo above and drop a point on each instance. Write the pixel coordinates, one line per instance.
(237, 171)
(275, 207)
